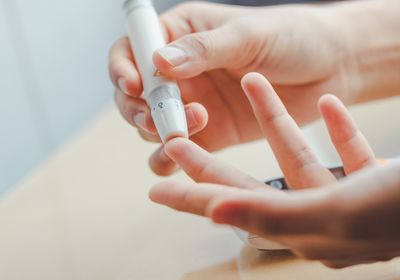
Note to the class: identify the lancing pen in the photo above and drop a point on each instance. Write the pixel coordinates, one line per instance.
(162, 94)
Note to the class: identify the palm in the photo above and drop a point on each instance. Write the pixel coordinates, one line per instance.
(231, 119)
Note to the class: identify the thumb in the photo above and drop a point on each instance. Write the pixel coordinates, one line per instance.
(196, 53)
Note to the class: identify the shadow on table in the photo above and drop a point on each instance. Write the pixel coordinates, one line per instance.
(248, 259)
(254, 264)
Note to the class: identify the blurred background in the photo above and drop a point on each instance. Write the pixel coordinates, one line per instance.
(54, 80)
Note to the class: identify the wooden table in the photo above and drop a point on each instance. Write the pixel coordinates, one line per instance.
(84, 214)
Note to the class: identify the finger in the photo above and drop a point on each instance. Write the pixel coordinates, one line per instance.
(190, 197)
(274, 214)
(350, 143)
(123, 71)
(189, 17)
(161, 163)
(196, 53)
(298, 163)
(135, 111)
(197, 118)
(203, 167)
(149, 137)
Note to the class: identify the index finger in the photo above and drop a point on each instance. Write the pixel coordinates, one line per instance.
(296, 159)
(204, 167)
(123, 71)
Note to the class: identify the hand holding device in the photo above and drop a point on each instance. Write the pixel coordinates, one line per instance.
(210, 47)
(162, 94)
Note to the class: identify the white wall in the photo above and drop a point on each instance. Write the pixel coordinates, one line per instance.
(20, 143)
(53, 64)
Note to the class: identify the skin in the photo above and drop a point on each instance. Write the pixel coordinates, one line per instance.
(218, 50)
(305, 51)
(353, 221)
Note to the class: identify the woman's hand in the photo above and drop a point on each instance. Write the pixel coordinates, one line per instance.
(212, 46)
(349, 222)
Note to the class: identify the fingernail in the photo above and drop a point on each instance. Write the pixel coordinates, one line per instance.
(163, 157)
(140, 120)
(122, 85)
(191, 119)
(173, 55)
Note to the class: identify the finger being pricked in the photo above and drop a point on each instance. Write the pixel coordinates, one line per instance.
(296, 159)
(197, 118)
(204, 167)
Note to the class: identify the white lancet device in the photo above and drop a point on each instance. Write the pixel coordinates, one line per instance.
(162, 94)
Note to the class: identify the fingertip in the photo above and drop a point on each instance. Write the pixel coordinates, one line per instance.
(149, 125)
(254, 82)
(197, 117)
(332, 108)
(161, 63)
(175, 145)
(133, 83)
(159, 193)
(258, 90)
(252, 76)
(127, 79)
(329, 97)
(327, 101)
(161, 163)
(185, 71)
(179, 149)
(122, 69)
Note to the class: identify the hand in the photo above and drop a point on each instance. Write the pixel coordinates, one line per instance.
(349, 222)
(212, 46)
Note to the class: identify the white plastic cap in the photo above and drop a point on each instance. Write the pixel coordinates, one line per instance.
(168, 112)
(130, 5)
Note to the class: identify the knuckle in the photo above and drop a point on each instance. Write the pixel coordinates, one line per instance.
(201, 43)
(304, 157)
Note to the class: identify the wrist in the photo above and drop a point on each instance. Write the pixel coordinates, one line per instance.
(370, 30)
